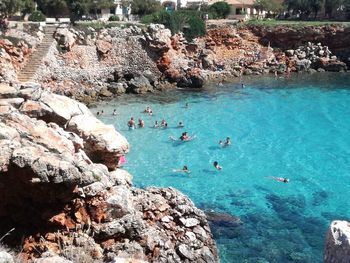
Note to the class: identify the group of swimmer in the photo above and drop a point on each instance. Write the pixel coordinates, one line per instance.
(183, 138)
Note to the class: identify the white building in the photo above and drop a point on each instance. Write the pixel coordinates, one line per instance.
(241, 9)
(120, 10)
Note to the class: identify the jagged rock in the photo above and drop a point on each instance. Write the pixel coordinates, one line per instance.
(104, 92)
(290, 52)
(158, 37)
(140, 85)
(102, 142)
(7, 91)
(126, 260)
(303, 65)
(103, 47)
(117, 88)
(185, 252)
(189, 222)
(65, 38)
(55, 259)
(337, 248)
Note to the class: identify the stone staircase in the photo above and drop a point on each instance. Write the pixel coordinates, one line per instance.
(35, 60)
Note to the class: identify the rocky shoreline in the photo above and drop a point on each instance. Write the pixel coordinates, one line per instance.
(59, 182)
(90, 64)
(65, 197)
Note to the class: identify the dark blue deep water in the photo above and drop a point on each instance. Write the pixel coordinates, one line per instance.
(297, 128)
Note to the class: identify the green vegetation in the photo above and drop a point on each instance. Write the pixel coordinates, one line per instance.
(219, 10)
(189, 22)
(274, 6)
(37, 16)
(113, 18)
(145, 7)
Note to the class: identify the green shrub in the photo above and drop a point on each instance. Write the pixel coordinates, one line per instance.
(145, 7)
(196, 28)
(37, 16)
(113, 18)
(220, 9)
(161, 17)
(189, 22)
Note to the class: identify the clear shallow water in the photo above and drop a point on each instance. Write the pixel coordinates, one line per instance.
(298, 128)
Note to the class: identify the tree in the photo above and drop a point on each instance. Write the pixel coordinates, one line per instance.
(300, 7)
(53, 8)
(316, 6)
(102, 4)
(273, 6)
(145, 7)
(78, 8)
(221, 9)
(330, 6)
(9, 7)
(27, 6)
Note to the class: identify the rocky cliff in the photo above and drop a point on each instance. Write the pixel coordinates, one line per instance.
(336, 37)
(62, 192)
(89, 64)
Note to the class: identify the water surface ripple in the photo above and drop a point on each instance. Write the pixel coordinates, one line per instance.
(297, 128)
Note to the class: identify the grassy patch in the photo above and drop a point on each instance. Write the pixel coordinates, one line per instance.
(293, 23)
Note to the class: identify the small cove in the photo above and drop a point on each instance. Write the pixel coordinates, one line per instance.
(296, 128)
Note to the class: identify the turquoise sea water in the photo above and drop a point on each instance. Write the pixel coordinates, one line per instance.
(297, 128)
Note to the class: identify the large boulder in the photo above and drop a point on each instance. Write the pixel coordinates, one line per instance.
(103, 47)
(102, 143)
(65, 38)
(337, 248)
(140, 85)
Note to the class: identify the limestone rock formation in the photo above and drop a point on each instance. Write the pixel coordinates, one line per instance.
(62, 192)
(65, 38)
(337, 248)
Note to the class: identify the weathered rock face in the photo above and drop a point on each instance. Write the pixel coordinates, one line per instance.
(65, 38)
(80, 211)
(336, 37)
(337, 247)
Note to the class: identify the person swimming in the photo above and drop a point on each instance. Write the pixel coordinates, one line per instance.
(217, 166)
(141, 123)
(148, 110)
(279, 179)
(114, 112)
(156, 125)
(228, 141)
(98, 113)
(184, 136)
(181, 125)
(131, 123)
(164, 124)
(183, 170)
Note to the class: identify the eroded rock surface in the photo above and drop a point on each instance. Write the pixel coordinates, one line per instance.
(337, 248)
(61, 190)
